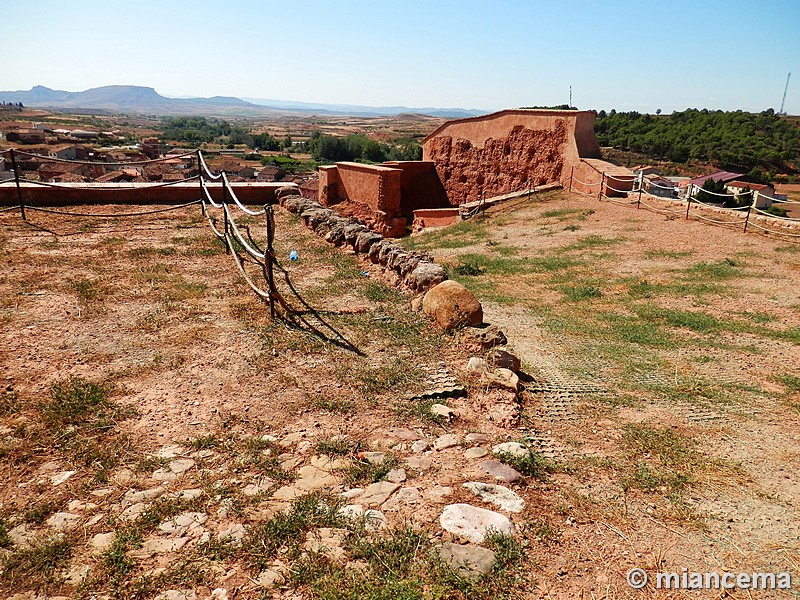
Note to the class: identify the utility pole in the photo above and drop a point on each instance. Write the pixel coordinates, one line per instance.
(570, 96)
(785, 89)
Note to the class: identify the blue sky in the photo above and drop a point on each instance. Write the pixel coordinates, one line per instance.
(622, 54)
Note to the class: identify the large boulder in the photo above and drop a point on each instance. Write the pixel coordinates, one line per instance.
(452, 305)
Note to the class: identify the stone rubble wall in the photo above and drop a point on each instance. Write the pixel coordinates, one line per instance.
(415, 270)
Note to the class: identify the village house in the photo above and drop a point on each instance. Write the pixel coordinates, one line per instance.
(50, 171)
(151, 147)
(120, 175)
(232, 167)
(659, 186)
(270, 173)
(26, 136)
(69, 152)
(764, 194)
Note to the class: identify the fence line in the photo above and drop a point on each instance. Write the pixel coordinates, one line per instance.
(742, 212)
(94, 162)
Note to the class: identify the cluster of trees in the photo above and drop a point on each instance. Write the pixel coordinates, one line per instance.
(359, 147)
(715, 192)
(734, 140)
(194, 130)
(14, 104)
(199, 130)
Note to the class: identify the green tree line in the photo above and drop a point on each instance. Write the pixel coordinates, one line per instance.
(358, 147)
(194, 129)
(736, 140)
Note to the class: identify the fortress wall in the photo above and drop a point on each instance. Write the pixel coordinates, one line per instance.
(508, 150)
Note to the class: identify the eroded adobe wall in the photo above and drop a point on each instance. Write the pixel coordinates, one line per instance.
(506, 151)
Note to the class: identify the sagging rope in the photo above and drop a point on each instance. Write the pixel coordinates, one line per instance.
(235, 199)
(583, 182)
(205, 168)
(767, 214)
(757, 226)
(99, 163)
(155, 185)
(237, 233)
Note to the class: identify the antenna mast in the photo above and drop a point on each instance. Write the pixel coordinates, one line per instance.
(570, 96)
(780, 112)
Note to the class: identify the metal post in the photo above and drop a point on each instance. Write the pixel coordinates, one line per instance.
(749, 209)
(200, 178)
(225, 215)
(571, 176)
(16, 182)
(602, 185)
(270, 217)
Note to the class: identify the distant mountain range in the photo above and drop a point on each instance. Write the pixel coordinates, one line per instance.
(145, 100)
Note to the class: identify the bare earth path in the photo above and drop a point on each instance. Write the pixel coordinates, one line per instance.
(657, 312)
(662, 402)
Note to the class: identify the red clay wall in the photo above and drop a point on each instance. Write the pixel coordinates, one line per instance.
(420, 186)
(374, 185)
(256, 193)
(505, 151)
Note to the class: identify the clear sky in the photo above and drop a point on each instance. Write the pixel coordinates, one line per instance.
(622, 54)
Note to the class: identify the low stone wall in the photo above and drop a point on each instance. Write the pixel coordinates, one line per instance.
(383, 196)
(415, 270)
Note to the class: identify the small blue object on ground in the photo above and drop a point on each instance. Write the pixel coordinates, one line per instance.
(293, 255)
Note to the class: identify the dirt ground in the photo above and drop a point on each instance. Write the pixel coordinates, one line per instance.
(663, 389)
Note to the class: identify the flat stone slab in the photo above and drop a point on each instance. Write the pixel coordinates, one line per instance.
(311, 479)
(473, 523)
(102, 541)
(377, 493)
(500, 471)
(448, 440)
(419, 463)
(62, 521)
(498, 495)
(61, 477)
(420, 446)
(473, 453)
(476, 438)
(514, 449)
(180, 466)
(159, 546)
(180, 524)
(469, 561)
(142, 496)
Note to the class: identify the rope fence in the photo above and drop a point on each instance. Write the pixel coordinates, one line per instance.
(644, 199)
(238, 240)
(95, 163)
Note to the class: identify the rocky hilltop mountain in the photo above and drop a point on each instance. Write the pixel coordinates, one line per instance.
(128, 98)
(145, 100)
